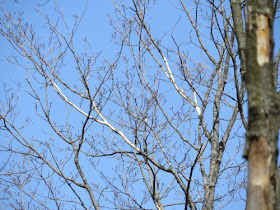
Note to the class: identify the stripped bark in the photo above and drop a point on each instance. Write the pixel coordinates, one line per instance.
(263, 104)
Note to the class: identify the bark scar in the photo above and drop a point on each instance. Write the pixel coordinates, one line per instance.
(263, 49)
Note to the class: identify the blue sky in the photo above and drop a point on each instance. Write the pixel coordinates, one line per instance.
(95, 27)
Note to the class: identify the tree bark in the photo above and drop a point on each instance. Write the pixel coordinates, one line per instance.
(263, 102)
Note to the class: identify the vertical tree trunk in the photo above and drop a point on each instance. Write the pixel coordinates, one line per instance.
(263, 101)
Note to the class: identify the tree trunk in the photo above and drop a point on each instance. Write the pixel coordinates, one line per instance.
(263, 102)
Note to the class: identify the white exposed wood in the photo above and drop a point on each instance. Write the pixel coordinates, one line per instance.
(263, 49)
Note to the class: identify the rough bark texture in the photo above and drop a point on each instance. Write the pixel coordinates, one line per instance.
(262, 135)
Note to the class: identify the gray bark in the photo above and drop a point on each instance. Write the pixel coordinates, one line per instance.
(262, 135)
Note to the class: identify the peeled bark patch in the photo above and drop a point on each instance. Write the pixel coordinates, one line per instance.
(263, 47)
(260, 157)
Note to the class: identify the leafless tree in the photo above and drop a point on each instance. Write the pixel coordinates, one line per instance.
(156, 127)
